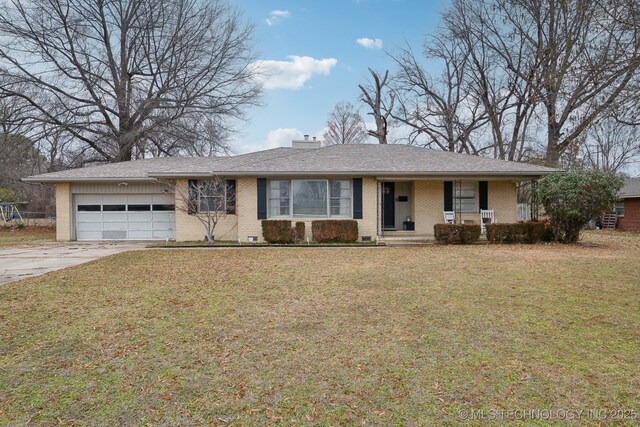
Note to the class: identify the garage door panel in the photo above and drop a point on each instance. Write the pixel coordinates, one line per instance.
(163, 216)
(115, 226)
(114, 216)
(89, 235)
(89, 226)
(140, 216)
(135, 220)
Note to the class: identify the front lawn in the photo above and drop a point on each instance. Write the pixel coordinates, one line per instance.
(325, 336)
(28, 236)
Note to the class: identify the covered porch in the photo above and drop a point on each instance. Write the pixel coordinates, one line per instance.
(408, 208)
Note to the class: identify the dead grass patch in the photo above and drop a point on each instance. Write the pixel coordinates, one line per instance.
(323, 336)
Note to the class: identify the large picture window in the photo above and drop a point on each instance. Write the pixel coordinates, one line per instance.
(465, 197)
(310, 198)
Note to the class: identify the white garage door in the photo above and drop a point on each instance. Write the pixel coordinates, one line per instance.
(125, 217)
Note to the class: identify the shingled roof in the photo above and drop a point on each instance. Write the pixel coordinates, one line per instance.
(362, 160)
(631, 188)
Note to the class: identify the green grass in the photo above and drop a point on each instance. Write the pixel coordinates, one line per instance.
(324, 336)
(28, 236)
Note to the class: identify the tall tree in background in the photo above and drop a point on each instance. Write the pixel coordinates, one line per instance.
(345, 126)
(508, 98)
(380, 103)
(582, 56)
(119, 76)
(611, 146)
(443, 109)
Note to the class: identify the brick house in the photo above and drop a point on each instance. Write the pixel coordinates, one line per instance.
(389, 189)
(628, 209)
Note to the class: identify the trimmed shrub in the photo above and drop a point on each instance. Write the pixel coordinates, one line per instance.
(524, 232)
(456, 233)
(277, 231)
(298, 232)
(335, 230)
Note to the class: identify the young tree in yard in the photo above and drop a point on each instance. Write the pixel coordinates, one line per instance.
(380, 104)
(120, 76)
(345, 126)
(573, 199)
(208, 201)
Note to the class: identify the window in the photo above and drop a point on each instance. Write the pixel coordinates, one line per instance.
(211, 196)
(279, 198)
(310, 198)
(465, 197)
(89, 208)
(620, 208)
(114, 208)
(166, 208)
(341, 198)
(138, 208)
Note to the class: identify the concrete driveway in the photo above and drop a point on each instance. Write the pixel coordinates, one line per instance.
(22, 263)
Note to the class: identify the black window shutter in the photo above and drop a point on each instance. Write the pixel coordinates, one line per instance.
(357, 198)
(448, 195)
(231, 196)
(484, 195)
(262, 198)
(192, 206)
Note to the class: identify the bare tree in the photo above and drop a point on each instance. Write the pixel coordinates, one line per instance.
(345, 126)
(206, 200)
(581, 56)
(508, 98)
(611, 146)
(444, 110)
(123, 74)
(381, 104)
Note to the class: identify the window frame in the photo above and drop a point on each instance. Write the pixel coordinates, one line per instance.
(476, 197)
(619, 206)
(327, 182)
(223, 183)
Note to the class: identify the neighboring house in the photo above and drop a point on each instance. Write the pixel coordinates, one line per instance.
(386, 188)
(628, 209)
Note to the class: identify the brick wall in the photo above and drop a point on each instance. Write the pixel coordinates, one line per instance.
(64, 225)
(189, 228)
(250, 225)
(631, 219)
(429, 204)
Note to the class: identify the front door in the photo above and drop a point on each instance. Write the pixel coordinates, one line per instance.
(389, 205)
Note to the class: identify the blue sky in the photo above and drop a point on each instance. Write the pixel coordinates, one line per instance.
(311, 50)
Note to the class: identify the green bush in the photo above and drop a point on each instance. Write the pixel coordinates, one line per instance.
(573, 199)
(334, 230)
(277, 231)
(299, 232)
(456, 233)
(527, 232)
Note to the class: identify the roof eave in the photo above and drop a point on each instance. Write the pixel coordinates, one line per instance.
(57, 180)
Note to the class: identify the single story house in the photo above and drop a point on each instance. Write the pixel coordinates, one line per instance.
(389, 189)
(628, 209)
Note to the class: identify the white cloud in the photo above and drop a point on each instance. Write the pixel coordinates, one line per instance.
(368, 43)
(282, 137)
(292, 74)
(276, 16)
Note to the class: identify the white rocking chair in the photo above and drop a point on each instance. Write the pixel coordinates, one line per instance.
(449, 217)
(486, 217)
